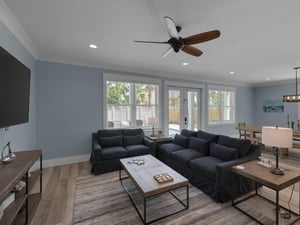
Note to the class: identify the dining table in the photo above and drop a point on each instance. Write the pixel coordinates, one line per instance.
(253, 133)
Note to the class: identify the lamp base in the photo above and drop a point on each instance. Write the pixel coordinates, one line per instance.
(277, 171)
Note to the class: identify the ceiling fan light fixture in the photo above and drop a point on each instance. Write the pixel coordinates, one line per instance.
(293, 97)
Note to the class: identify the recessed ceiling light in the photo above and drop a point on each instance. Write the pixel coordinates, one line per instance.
(267, 78)
(185, 63)
(93, 46)
(231, 72)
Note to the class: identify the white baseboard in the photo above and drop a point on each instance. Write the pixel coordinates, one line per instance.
(61, 161)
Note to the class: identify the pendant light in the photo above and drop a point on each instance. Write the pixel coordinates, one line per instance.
(295, 97)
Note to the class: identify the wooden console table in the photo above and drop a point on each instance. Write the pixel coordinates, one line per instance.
(262, 175)
(22, 209)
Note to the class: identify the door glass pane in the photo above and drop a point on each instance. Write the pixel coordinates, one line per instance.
(192, 110)
(174, 112)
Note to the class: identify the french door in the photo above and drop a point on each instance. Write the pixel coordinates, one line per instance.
(183, 109)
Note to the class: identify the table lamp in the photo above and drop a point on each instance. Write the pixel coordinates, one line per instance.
(278, 137)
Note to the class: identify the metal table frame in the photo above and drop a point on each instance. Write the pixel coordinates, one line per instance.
(144, 216)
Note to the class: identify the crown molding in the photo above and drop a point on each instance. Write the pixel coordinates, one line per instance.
(13, 25)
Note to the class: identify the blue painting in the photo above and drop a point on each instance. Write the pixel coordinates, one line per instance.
(273, 105)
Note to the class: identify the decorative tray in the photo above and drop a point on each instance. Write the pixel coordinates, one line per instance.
(162, 178)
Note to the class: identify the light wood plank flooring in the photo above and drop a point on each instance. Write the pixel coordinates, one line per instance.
(56, 206)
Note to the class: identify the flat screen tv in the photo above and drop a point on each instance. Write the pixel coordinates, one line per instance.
(14, 90)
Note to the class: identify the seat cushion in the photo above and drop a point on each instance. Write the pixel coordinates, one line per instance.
(205, 165)
(116, 152)
(200, 145)
(110, 141)
(181, 140)
(185, 155)
(168, 148)
(133, 140)
(242, 145)
(134, 150)
(222, 152)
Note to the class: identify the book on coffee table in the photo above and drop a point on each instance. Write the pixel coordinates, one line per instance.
(162, 178)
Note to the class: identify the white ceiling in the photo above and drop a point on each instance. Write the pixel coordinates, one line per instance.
(259, 38)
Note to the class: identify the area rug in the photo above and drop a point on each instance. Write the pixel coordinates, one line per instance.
(102, 200)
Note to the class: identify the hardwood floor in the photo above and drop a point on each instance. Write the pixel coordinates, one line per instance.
(56, 206)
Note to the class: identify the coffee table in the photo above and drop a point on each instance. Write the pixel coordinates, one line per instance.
(141, 171)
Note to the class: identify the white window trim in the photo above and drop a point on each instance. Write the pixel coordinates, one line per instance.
(129, 79)
(220, 88)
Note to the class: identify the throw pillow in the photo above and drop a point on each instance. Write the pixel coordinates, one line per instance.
(222, 152)
(242, 145)
(181, 140)
(188, 133)
(207, 136)
(111, 141)
(199, 144)
(133, 140)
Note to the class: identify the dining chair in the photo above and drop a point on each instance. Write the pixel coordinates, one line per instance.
(242, 133)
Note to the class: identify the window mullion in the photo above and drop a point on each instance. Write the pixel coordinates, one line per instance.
(133, 104)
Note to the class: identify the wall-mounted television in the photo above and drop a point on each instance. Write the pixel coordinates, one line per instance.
(14, 90)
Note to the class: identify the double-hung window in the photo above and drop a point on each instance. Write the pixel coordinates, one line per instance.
(221, 105)
(130, 102)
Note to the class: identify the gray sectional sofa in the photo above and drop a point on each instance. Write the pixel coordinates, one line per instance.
(206, 160)
(109, 145)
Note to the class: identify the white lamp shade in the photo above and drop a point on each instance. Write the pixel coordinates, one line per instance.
(280, 137)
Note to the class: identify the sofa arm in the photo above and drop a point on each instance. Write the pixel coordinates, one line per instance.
(150, 144)
(224, 173)
(96, 149)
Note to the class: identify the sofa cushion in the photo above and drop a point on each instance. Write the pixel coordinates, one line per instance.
(222, 152)
(242, 145)
(109, 132)
(200, 145)
(185, 155)
(181, 140)
(205, 166)
(131, 132)
(207, 136)
(133, 140)
(116, 152)
(134, 150)
(111, 141)
(168, 148)
(188, 133)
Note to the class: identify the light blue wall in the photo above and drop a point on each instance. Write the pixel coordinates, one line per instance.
(69, 100)
(69, 108)
(23, 136)
(244, 112)
(274, 92)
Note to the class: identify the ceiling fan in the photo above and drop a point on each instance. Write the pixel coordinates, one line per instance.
(184, 44)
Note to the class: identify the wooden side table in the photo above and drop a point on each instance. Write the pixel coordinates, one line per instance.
(261, 175)
(159, 140)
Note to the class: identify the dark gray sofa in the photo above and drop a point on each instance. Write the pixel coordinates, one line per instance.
(206, 160)
(109, 145)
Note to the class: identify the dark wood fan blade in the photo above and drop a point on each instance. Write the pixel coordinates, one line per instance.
(202, 37)
(153, 42)
(191, 50)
